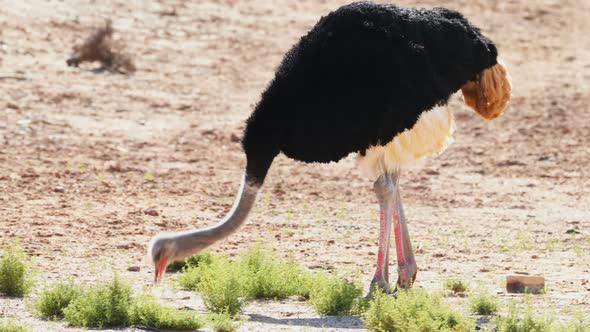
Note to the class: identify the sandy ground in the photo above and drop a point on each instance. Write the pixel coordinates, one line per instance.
(92, 165)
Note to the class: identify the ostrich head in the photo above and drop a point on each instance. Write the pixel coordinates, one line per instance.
(166, 248)
(490, 92)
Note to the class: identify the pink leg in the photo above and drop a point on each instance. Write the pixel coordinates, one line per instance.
(406, 262)
(383, 188)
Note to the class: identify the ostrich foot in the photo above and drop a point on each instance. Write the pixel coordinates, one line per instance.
(406, 275)
(381, 284)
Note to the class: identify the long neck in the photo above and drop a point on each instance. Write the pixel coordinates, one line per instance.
(189, 242)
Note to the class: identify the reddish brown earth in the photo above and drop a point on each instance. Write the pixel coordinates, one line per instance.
(92, 165)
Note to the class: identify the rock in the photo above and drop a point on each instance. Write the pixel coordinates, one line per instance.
(234, 138)
(59, 189)
(12, 106)
(24, 122)
(133, 269)
(524, 284)
(151, 212)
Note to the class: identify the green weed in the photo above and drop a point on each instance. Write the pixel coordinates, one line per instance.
(145, 310)
(305, 283)
(100, 306)
(455, 285)
(203, 257)
(331, 295)
(483, 303)
(413, 310)
(110, 304)
(10, 326)
(522, 321)
(579, 323)
(222, 322)
(266, 276)
(192, 269)
(16, 273)
(221, 286)
(225, 285)
(149, 176)
(553, 244)
(520, 243)
(53, 300)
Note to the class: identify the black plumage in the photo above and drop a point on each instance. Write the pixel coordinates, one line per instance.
(363, 74)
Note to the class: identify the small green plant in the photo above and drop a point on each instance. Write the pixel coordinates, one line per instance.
(266, 276)
(579, 323)
(553, 244)
(413, 310)
(145, 310)
(9, 326)
(100, 306)
(455, 285)
(149, 176)
(332, 295)
(16, 274)
(519, 320)
(521, 242)
(305, 283)
(222, 322)
(204, 257)
(192, 269)
(226, 285)
(54, 299)
(190, 277)
(220, 285)
(483, 303)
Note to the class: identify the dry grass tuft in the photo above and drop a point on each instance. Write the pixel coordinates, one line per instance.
(100, 47)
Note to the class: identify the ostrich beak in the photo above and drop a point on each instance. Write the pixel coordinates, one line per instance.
(160, 269)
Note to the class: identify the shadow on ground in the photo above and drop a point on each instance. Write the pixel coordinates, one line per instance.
(344, 322)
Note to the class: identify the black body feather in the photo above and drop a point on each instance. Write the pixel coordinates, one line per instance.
(363, 74)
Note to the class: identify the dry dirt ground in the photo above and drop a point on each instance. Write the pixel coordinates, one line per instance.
(92, 165)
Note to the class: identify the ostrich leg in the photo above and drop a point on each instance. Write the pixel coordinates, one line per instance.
(406, 262)
(384, 189)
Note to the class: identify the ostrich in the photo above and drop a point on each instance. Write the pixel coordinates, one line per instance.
(371, 79)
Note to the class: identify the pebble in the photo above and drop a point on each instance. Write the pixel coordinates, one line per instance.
(151, 212)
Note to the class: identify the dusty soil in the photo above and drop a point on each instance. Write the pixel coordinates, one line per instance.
(92, 164)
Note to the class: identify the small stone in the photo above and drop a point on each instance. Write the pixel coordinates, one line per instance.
(59, 189)
(24, 122)
(234, 138)
(133, 269)
(151, 212)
